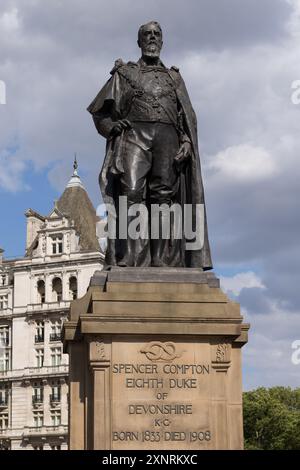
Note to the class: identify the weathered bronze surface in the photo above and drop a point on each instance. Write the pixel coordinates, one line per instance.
(152, 156)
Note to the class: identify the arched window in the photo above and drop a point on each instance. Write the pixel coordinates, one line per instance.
(57, 289)
(73, 287)
(41, 291)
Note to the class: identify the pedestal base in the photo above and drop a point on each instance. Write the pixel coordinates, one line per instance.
(155, 362)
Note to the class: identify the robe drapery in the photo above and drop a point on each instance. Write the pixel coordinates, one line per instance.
(113, 103)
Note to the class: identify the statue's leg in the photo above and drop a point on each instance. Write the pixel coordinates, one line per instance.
(137, 163)
(164, 186)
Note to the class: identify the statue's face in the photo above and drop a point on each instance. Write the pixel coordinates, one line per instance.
(151, 41)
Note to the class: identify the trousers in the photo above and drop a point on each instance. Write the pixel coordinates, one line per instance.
(148, 159)
(150, 177)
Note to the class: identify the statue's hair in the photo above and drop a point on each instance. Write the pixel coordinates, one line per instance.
(141, 28)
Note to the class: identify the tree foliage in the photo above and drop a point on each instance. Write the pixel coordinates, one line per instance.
(272, 418)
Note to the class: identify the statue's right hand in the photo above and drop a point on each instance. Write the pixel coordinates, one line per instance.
(119, 126)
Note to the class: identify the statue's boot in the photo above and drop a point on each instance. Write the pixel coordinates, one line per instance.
(160, 247)
(136, 251)
(128, 258)
(128, 246)
(167, 251)
(159, 250)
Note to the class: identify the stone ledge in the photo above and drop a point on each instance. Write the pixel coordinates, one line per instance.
(157, 328)
(150, 274)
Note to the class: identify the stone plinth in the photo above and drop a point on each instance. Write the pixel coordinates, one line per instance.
(155, 362)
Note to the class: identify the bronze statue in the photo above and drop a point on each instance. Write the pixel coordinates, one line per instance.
(152, 157)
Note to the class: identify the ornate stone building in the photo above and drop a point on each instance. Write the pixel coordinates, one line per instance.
(62, 253)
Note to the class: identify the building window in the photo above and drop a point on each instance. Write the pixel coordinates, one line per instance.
(4, 336)
(41, 292)
(55, 394)
(5, 444)
(56, 447)
(39, 332)
(38, 393)
(4, 361)
(73, 287)
(4, 395)
(57, 244)
(39, 357)
(3, 302)
(57, 289)
(3, 280)
(38, 419)
(55, 356)
(3, 420)
(55, 418)
(55, 334)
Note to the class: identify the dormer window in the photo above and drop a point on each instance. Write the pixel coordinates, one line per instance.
(57, 244)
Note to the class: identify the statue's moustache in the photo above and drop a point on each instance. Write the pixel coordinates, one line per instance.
(152, 44)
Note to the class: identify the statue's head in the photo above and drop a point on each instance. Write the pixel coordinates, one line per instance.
(150, 39)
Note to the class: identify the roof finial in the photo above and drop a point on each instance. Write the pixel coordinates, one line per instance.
(75, 180)
(75, 165)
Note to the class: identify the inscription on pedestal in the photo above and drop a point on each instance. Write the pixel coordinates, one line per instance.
(161, 396)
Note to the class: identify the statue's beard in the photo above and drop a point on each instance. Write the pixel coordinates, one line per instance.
(151, 50)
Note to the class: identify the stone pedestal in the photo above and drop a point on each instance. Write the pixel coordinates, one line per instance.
(155, 362)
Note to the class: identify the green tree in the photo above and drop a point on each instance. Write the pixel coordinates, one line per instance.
(272, 418)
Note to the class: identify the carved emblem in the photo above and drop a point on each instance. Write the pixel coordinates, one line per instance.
(44, 244)
(157, 351)
(68, 241)
(222, 352)
(100, 351)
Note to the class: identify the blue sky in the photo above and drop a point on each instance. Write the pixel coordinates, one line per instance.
(239, 60)
(39, 195)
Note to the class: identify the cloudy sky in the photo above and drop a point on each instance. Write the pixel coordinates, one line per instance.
(239, 59)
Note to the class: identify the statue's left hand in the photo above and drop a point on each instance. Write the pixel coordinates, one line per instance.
(120, 126)
(183, 155)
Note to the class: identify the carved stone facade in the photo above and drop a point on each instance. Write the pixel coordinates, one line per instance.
(155, 362)
(35, 296)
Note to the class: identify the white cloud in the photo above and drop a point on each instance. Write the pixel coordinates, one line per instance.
(267, 357)
(10, 21)
(243, 162)
(56, 55)
(11, 173)
(294, 23)
(241, 281)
